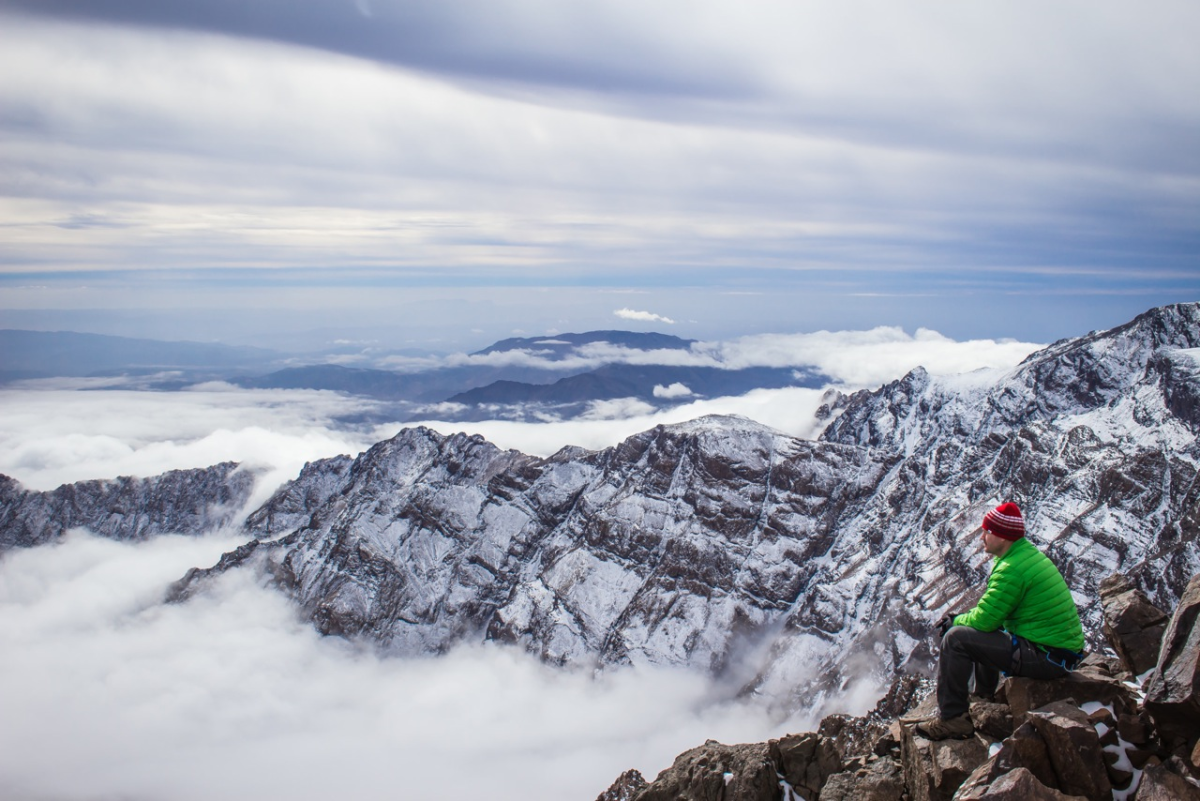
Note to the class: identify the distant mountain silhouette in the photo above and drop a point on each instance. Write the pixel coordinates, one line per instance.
(561, 346)
(46, 354)
(640, 381)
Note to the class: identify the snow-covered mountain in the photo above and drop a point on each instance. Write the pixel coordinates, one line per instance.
(791, 568)
(177, 502)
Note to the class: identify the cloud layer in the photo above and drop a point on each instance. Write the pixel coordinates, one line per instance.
(231, 696)
(52, 435)
(54, 432)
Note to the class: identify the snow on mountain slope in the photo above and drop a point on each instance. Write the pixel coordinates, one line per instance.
(126, 508)
(790, 568)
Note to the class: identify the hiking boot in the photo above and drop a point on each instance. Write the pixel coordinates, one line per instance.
(959, 728)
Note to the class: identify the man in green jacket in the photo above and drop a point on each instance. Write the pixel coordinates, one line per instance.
(1026, 624)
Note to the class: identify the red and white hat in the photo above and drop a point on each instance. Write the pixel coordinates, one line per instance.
(1005, 522)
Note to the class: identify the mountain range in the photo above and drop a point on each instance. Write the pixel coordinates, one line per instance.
(791, 569)
(519, 378)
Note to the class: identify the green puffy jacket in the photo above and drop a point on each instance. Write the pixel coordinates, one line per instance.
(1026, 596)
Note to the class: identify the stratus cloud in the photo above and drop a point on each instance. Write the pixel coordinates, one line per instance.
(792, 411)
(869, 358)
(853, 358)
(643, 316)
(50, 437)
(231, 696)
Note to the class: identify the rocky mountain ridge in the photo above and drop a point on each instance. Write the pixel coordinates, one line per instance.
(790, 568)
(177, 502)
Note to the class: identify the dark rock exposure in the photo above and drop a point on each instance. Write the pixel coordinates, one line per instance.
(1096, 734)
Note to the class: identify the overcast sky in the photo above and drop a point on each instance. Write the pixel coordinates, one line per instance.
(458, 171)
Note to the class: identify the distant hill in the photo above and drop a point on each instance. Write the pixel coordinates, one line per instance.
(46, 354)
(640, 381)
(561, 346)
(354, 380)
(516, 378)
(485, 383)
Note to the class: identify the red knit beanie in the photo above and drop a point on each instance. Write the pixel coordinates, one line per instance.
(1005, 522)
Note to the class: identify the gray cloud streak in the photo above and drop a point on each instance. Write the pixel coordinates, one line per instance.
(528, 43)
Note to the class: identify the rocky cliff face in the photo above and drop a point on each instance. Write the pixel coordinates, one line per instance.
(178, 502)
(1101, 733)
(791, 568)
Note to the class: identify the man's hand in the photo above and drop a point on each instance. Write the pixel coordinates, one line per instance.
(945, 624)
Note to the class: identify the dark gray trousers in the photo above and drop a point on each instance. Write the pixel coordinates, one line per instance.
(968, 652)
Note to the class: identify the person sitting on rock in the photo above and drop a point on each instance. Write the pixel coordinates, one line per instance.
(1026, 624)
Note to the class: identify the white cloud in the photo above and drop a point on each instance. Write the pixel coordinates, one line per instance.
(232, 696)
(676, 390)
(869, 358)
(54, 436)
(792, 411)
(643, 316)
(617, 409)
(854, 358)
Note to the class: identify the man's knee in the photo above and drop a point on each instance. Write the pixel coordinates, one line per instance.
(956, 636)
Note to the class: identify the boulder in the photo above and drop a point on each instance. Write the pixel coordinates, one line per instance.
(1135, 729)
(934, 770)
(1133, 626)
(1160, 784)
(1173, 694)
(625, 788)
(1023, 695)
(992, 720)
(806, 761)
(1075, 751)
(881, 780)
(1016, 785)
(1024, 748)
(718, 772)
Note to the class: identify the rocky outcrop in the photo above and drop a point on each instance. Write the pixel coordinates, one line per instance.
(1089, 736)
(627, 785)
(1017, 785)
(1173, 697)
(177, 502)
(717, 771)
(805, 761)
(1132, 624)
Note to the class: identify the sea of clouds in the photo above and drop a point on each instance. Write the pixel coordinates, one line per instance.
(109, 693)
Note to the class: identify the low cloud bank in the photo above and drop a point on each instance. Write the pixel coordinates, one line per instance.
(232, 696)
(852, 358)
(53, 434)
(792, 411)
